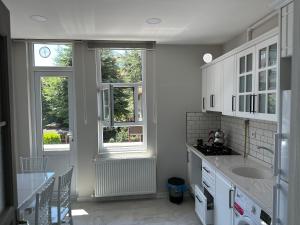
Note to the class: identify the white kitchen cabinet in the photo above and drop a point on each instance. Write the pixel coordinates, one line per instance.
(287, 23)
(223, 201)
(214, 86)
(245, 82)
(265, 100)
(229, 86)
(204, 89)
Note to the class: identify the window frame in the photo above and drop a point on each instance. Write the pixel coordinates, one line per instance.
(102, 149)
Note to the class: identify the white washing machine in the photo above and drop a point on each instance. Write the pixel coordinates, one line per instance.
(246, 212)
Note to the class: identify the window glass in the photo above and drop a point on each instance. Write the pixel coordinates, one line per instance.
(249, 63)
(121, 66)
(115, 135)
(249, 83)
(242, 84)
(272, 79)
(273, 55)
(262, 103)
(248, 99)
(262, 81)
(52, 55)
(124, 104)
(241, 103)
(55, 113)
(272, 103)
(140, 104)
(262, 58)
(242, 65)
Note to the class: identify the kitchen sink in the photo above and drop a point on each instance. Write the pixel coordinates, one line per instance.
(252, 172)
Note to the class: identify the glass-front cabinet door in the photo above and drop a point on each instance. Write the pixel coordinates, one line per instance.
(265, 99)
(245, 82)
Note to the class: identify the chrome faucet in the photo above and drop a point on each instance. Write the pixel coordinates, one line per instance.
(265, 148)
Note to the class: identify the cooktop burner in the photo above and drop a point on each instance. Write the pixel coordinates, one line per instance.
(215, 150)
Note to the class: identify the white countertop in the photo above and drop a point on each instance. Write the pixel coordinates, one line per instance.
(259, 190)
(28, 184)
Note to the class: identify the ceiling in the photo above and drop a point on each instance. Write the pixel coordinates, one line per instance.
(183, 21)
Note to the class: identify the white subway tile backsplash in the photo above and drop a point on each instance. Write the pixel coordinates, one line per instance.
(261, 133)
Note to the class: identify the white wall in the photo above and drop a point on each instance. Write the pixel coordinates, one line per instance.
(173, 88)
(178, 89)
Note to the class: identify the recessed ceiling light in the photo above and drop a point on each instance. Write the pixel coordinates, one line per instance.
(153, 20)
(38, 18)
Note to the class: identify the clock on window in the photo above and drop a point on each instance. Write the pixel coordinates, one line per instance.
(44, 52)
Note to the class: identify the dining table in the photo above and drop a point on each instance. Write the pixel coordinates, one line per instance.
(28, 184)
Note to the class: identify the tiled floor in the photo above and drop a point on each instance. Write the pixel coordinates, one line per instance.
(136, 212)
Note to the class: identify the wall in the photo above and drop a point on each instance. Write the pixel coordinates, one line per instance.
(261, 133)
(242, 38)
(173, 88)
(178, 87)
(198, 126)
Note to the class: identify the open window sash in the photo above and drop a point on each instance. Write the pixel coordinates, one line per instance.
(107, 104)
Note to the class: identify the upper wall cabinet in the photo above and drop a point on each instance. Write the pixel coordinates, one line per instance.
(229, 86)
(245, 82)
(266, 80)
(214, 87)
(287, 23)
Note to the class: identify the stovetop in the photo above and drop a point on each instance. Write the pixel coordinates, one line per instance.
(215, 150)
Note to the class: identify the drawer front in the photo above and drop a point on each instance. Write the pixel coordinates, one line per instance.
(201, 210)
(209, 183)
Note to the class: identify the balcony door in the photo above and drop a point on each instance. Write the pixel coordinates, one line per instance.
(55, 120)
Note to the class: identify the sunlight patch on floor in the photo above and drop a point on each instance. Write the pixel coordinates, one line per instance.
(79, 212)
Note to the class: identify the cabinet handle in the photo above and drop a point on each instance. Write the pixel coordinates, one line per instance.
(253, 109)
(231, 198)
(205, 184)
(203, 103)
(250, 103)
(206, 169)
(233, 103)
(198, 199)
(2, 124)
(276, 153)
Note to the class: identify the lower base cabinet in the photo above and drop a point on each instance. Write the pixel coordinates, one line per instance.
(204, 206)
(223, 201)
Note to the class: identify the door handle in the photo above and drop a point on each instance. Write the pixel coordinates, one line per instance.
(250, 103)
(2, 124)
(203, 103)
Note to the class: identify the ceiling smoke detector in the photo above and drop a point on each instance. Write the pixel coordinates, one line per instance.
(153, 21)
(38, 18)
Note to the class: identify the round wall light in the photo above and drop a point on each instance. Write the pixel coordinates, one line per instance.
(207, 57)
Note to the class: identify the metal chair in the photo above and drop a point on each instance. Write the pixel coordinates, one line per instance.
(33, 164)
(43, 204)
(62, 211)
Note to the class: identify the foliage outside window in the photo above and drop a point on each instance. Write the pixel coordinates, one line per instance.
(121, 97)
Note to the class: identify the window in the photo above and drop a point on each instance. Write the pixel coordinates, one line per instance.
(121, 100)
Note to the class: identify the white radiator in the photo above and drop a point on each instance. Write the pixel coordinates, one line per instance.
(125, 177)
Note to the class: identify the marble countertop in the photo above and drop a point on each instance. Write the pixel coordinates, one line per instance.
(259, 190)
(28, 184)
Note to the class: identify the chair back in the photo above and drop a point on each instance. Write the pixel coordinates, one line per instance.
(64, 195)
(33, 164)
(43, 204)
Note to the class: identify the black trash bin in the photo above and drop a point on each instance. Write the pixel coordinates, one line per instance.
(176, 187)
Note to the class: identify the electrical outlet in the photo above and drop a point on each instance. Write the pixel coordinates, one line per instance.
(253, 134)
